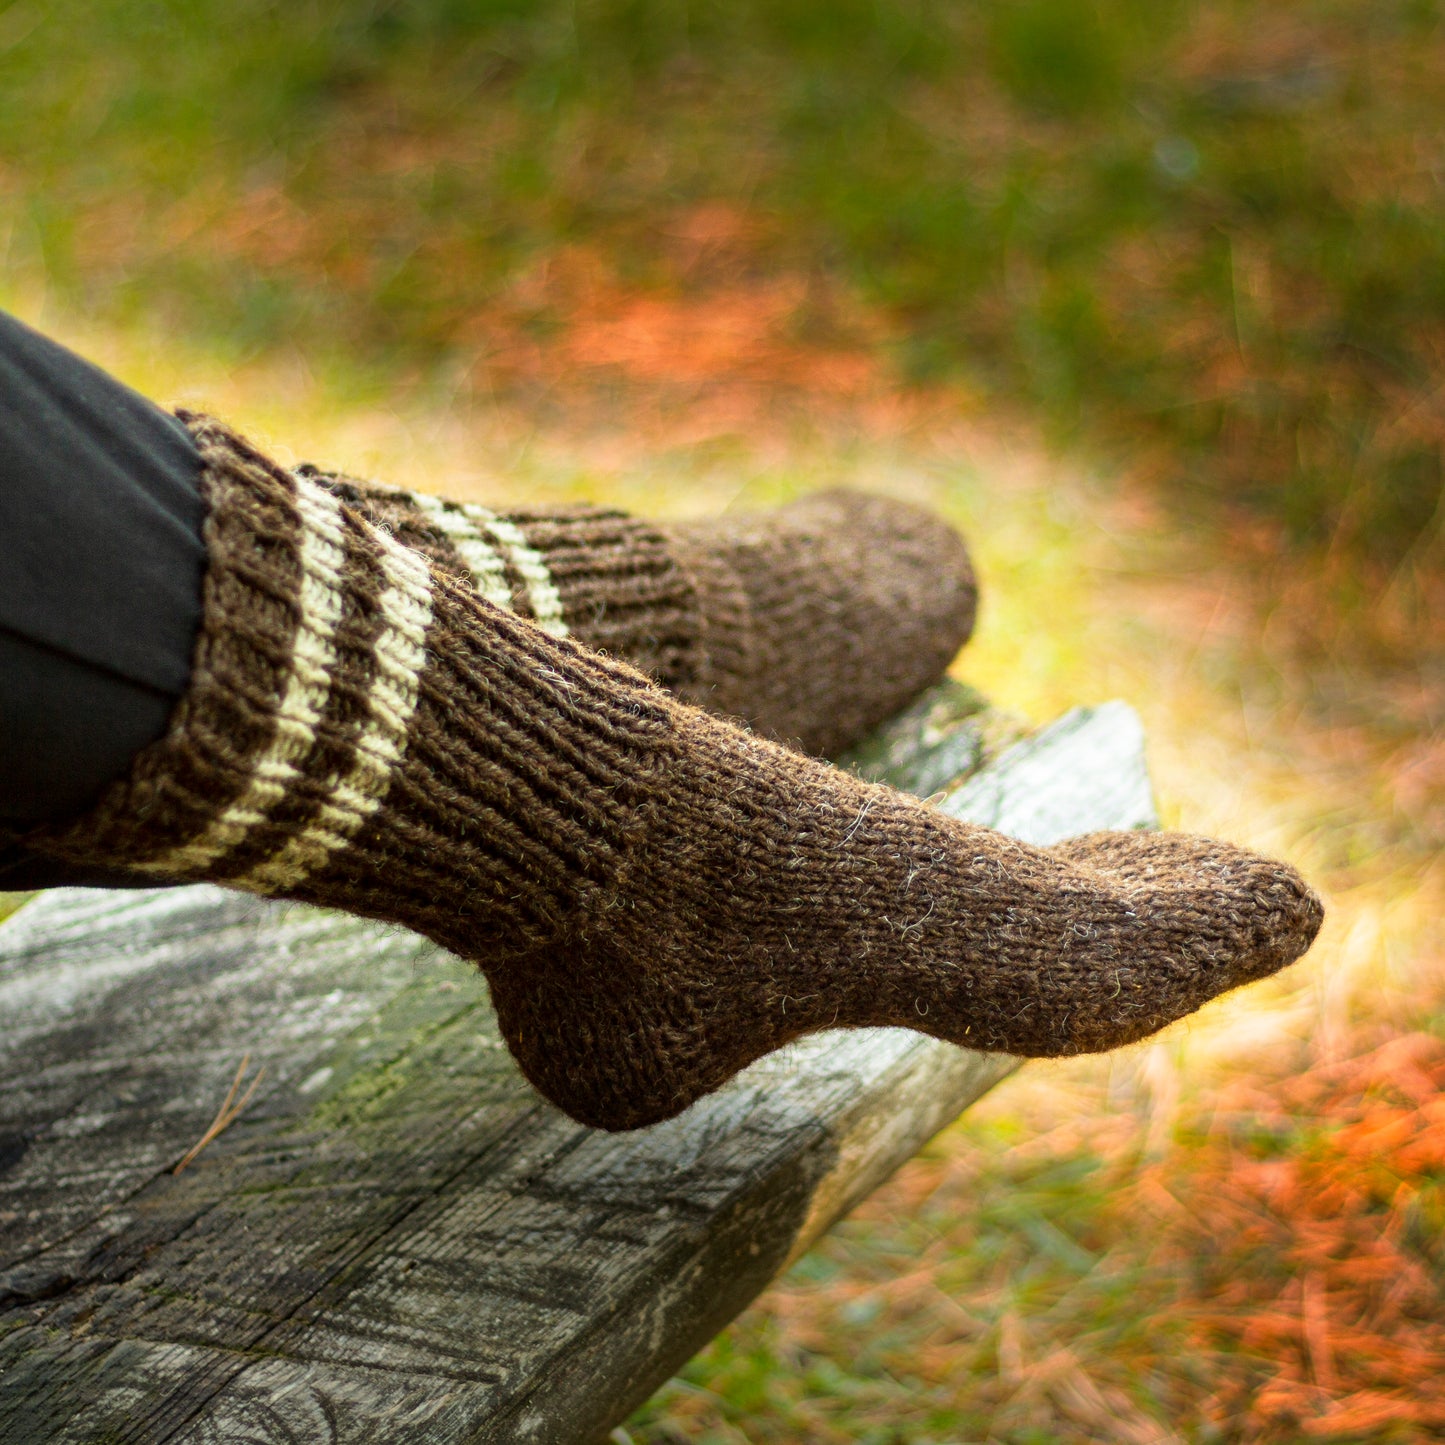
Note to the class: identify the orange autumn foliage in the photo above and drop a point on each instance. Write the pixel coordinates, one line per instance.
(1317, 1265)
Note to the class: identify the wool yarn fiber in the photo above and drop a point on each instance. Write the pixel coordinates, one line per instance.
(656, 896)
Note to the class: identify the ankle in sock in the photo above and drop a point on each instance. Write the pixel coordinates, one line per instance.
(813, 623)
(656, 897)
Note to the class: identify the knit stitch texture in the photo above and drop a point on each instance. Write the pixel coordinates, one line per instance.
(656, 896)
(813, 623)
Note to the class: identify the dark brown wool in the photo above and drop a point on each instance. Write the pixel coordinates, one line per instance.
(813, 623)
(656, 897)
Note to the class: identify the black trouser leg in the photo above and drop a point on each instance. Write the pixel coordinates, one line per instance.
(101, 561)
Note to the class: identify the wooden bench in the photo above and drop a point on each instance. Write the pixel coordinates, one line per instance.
(396, 1240)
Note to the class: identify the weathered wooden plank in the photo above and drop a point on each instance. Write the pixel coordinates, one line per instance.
(397, 1239)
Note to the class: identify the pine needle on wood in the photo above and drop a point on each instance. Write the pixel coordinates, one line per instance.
(227, 1114)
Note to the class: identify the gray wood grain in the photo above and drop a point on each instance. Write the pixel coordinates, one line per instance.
(397, 1240)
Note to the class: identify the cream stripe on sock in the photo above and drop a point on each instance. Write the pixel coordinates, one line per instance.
(541, 590)
(399, 654)
(322, 558)
(485, 565)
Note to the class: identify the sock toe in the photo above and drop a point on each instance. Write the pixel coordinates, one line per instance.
(855, 603)
(1213, 917)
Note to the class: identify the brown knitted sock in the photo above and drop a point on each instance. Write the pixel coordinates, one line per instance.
(813, 623)
(656, 897)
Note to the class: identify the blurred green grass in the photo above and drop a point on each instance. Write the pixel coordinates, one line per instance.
(1203, 236)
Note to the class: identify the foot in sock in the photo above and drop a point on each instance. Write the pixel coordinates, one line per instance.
(813, 623)
(656, 897)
